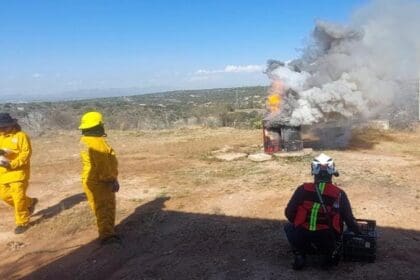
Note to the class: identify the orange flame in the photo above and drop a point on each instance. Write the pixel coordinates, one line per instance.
(275, 95)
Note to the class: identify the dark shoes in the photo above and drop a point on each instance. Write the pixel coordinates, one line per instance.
(328, 262)
(31, 207)
(299, 262)
(21, 229)
(113, 239)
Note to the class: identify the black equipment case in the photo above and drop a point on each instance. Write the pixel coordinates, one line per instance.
(360, 247)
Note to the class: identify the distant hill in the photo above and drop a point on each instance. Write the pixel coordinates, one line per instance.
(239, 107)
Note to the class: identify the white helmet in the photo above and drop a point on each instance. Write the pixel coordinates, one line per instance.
(323, 163)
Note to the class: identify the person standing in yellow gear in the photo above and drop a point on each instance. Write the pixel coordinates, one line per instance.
(15, 154)
(99, 176)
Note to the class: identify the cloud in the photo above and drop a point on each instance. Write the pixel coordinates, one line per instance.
(233, 69)
(36, 75)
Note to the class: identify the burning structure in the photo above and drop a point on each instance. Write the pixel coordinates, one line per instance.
(278, 132)
(281, 138)
(347, 74)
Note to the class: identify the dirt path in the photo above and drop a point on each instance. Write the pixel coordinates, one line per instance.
(184, 215)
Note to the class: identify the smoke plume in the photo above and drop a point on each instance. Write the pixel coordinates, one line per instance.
(360, 70)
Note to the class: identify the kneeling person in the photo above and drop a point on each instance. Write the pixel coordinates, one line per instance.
(316, 213)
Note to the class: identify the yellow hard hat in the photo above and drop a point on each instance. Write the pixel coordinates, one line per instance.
(90, 119)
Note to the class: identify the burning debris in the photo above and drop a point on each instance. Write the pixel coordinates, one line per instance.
(281, 137)
(280, 133)
(347, 74)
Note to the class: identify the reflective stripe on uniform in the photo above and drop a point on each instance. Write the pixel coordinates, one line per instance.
(322, 187)
(315, 209)
(314, 215)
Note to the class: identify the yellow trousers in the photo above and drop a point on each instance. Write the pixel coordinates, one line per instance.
(14, 194)
(102, 202)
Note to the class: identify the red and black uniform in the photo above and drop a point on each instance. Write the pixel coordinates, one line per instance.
(309, 222)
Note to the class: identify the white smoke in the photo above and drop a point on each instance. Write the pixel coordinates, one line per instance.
(354, 71)
(291, 79)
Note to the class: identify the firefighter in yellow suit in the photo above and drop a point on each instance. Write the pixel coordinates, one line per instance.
(99, 176)
(15, 154)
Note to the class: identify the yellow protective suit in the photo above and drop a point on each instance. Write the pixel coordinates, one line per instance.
(100, 169)
(14, 179)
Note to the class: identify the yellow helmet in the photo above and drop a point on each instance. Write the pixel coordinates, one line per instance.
(90, 119)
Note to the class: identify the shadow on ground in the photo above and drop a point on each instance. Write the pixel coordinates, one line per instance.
(166, 244)
(50, 212)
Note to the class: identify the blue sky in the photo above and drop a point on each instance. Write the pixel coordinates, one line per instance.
(48, 48)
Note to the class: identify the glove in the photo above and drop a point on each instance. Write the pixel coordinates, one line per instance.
(115, 186)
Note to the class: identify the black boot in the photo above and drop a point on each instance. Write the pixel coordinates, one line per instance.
(113, 239)
(299, 261)
(327, 262)
(21, 229)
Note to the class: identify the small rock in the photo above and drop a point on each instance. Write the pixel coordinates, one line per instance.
(259, 157)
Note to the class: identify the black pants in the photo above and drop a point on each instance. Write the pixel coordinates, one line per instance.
(309, 242)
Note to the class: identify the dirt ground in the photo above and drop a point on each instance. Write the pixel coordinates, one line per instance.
(184, 215)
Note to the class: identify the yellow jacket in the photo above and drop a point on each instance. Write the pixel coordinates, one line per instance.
(19, 151)
(99, 160)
